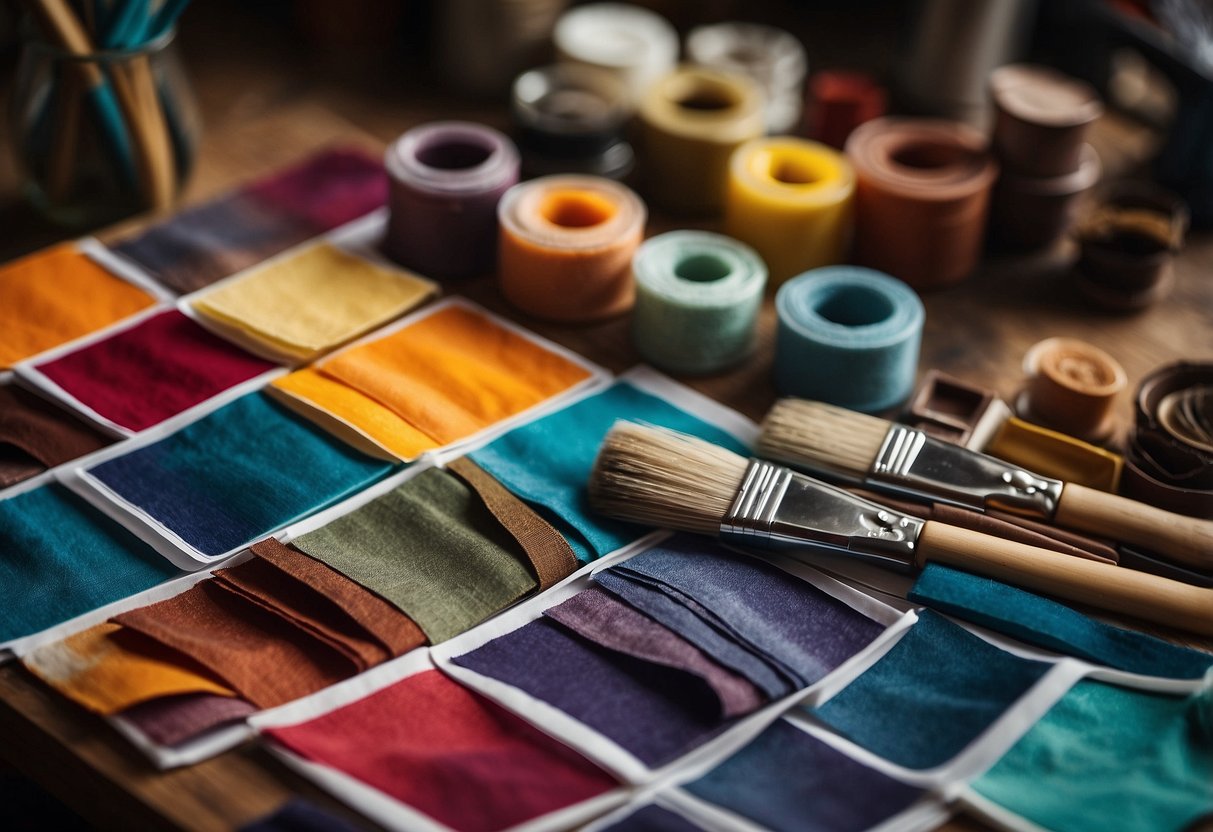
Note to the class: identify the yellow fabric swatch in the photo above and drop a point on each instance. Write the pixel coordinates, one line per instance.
(108, 668)
(313, 301)
(56, 295)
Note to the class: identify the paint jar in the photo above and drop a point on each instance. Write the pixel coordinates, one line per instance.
(773, 58)
(921, 198)
(571, 119)
(839, 101)
(791, 200)
(690, 123)
(446, 180)
(635, 45)
(566, 247)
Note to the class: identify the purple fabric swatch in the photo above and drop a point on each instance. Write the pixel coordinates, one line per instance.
(654, 712)
(172, 720)
(299, 815)
(597, 616)
(789, 780)
(652, 818)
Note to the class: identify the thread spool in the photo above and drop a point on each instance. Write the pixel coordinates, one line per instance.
(566, 247)
(446, 180)
(921, 196)
(773, 58)
(838, 102)
(1072, 387)
(1041, 120)
(691, 121)
(571, 119)
(791, 200)
(634, 44)
(697, 300)
(848, 336)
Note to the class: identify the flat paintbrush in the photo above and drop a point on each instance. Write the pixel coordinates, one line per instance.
(837, 443)
(661, 478)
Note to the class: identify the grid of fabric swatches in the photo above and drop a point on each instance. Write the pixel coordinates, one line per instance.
(237, 474)
(1111, 759)
(57, 295)
(36, 434)
(448, 753)
(219, 238)
(547, 462)
(158, 368)
(931, 695)
(309, 302)
(63, 558)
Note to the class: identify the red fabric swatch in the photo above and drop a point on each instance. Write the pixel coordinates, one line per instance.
(449, 753)
(156, 369)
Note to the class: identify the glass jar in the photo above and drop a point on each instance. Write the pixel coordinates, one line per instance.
(103, 135)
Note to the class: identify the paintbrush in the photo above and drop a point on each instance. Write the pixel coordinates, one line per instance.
(658, 477)
(841, 444)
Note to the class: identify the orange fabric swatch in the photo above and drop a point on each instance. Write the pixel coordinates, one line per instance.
(56, 295)
(108, 668)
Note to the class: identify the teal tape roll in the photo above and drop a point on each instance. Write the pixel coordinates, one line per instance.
(697, 301)
(848, 336)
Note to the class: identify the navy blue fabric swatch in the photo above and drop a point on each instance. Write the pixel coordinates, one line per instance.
(652, 818)
(299, 815)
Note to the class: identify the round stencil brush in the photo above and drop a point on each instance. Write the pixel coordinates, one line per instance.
(658, 477)
(886, 456)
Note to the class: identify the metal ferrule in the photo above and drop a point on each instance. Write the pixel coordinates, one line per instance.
(777, 508)
(913, 463)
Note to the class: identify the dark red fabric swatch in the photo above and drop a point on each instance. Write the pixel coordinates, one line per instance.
(36, 434)
(173, 720)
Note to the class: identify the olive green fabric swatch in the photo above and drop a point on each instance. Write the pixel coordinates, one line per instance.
(433, 549)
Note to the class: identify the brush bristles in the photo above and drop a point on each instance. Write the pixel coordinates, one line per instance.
(818, 435)
(660, 477)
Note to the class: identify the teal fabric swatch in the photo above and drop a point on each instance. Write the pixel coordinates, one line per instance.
(547, 462)
(1045, 623)
(60, 557)
(1110, 759)
(931, 695)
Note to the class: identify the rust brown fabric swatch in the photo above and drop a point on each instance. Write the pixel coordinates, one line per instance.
(36, 434)
(394, 630)
(258, 654)
(551, 556)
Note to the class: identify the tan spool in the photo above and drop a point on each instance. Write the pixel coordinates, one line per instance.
(1072, 387)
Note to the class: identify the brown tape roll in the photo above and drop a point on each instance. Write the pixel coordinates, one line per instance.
(1072, 387)
(1041, 120)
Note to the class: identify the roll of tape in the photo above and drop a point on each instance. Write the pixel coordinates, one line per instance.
(566, 247)
(697, 300)
(1041, 120)
(848, 336)
(446, 180)
(1072, 387)
(690, 123)
(921, 196)
(840, 101)
(791, 200)
(635, 45)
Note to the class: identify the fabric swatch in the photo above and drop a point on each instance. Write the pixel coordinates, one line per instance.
(173, 720)
(432, 549)
(228, 234)
(299, 815)
(256, 653)
(312, 301)
(1046, 623)
(449, 753)
(36, 434)
(56, 295)
(652, 818)
(63, 558)
(392, 629)
(547, 462)
(143, 375)
(443, 377)
(252, 467)
(931, 695)
(597, 616)
(790, 781)
(1110, 759)
(107, 669)
(655, 712)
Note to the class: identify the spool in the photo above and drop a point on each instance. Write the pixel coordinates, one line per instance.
(1072, 387)
(635, 45)
(773, 58)
(446, 180)
(922, 191)
(840, 101)
(848, 336)
(691, 121)
(1041, 120)
(791, 199)
(571, 119)
(566, 247)
(697, 300)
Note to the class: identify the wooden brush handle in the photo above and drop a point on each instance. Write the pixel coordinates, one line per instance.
(1186, 540)
(1144, 596)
